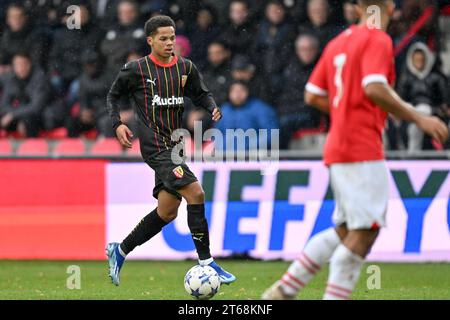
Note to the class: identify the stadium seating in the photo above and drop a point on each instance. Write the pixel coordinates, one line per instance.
(135, 149)
(91, 134)
(11, 134)
(33, 147)
(5, 147)
(70, 147)
(107, 146)
(58, 133)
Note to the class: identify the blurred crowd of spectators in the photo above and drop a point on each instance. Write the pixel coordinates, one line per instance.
(255, 56)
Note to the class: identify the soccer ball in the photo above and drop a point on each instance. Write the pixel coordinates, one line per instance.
(202, 282)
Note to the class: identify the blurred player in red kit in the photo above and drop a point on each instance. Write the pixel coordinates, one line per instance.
(352, 82)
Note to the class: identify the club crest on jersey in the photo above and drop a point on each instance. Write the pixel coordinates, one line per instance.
(178, 172)
(183, 80)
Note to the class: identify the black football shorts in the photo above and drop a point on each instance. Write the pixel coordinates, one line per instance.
(169, 176)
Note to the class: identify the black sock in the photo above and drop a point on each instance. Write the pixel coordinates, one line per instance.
(146, 229)
(199, 229)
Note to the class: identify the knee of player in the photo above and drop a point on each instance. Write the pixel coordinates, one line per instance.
(169, 215)
(198, 195)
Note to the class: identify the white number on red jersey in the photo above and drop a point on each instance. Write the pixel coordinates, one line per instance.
(339, 62)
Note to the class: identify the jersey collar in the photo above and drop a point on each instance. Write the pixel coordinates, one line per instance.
(164, 65)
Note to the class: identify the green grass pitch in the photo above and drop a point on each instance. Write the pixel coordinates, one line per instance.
(156, 280)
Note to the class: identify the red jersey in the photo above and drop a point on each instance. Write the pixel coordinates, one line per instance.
(352, 60)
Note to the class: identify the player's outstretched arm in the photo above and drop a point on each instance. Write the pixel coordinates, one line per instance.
(388, 100)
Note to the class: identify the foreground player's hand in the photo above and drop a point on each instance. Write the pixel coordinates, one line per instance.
(216, 114)
(434, 127)
(124, 136)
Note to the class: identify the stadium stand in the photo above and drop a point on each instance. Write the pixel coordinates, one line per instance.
(69, 147)
(33, 147)
(414, 21)
(5, 147)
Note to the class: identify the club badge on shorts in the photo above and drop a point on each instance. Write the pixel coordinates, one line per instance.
(178, 172)
(183, 80)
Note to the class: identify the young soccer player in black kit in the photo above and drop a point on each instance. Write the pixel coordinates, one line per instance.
(157, 84)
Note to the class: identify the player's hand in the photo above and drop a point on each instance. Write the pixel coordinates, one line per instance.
(434, 127)
(216, 114)
(124, 136)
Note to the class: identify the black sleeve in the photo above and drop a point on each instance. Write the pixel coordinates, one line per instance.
(120, 87)
(197, 91)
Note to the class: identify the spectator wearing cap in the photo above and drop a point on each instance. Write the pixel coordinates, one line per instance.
(94, 84)
(273, 45)
(242, 111)
(218, 72)
(243, 69)
(128, 34)
(25, 93)
(292, 111)
(65, 58)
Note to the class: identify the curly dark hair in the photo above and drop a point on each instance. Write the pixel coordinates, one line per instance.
(152, 25)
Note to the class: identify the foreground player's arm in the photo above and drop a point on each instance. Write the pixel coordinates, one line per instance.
(378, 71)
(119, 88)
(320, 102)
(316, 90)
(197, 91)
(388, 100)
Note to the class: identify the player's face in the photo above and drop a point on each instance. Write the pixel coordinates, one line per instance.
(163, 41)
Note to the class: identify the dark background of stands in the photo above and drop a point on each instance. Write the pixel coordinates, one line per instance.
(72, 70)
